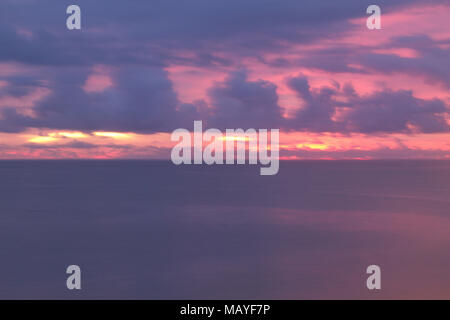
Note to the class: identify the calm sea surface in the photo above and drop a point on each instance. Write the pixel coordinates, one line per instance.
(153, 230)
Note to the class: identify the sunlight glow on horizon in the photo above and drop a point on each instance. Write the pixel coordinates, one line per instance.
(114, 135)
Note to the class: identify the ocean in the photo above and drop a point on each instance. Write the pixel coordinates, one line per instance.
(153, 230)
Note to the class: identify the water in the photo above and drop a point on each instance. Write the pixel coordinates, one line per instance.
(152, 230)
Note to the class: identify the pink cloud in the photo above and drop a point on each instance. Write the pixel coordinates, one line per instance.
(99, 80)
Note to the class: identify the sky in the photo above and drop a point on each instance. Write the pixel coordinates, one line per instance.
(136, 71)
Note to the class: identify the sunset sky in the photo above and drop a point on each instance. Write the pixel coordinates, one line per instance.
(137, 70)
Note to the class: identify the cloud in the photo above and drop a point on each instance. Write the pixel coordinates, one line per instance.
(240, 103)
(318, 109)
(137, 43)
(152, 33)
(343, 110)
(431, 64)
(395, 111)
(141, 100)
